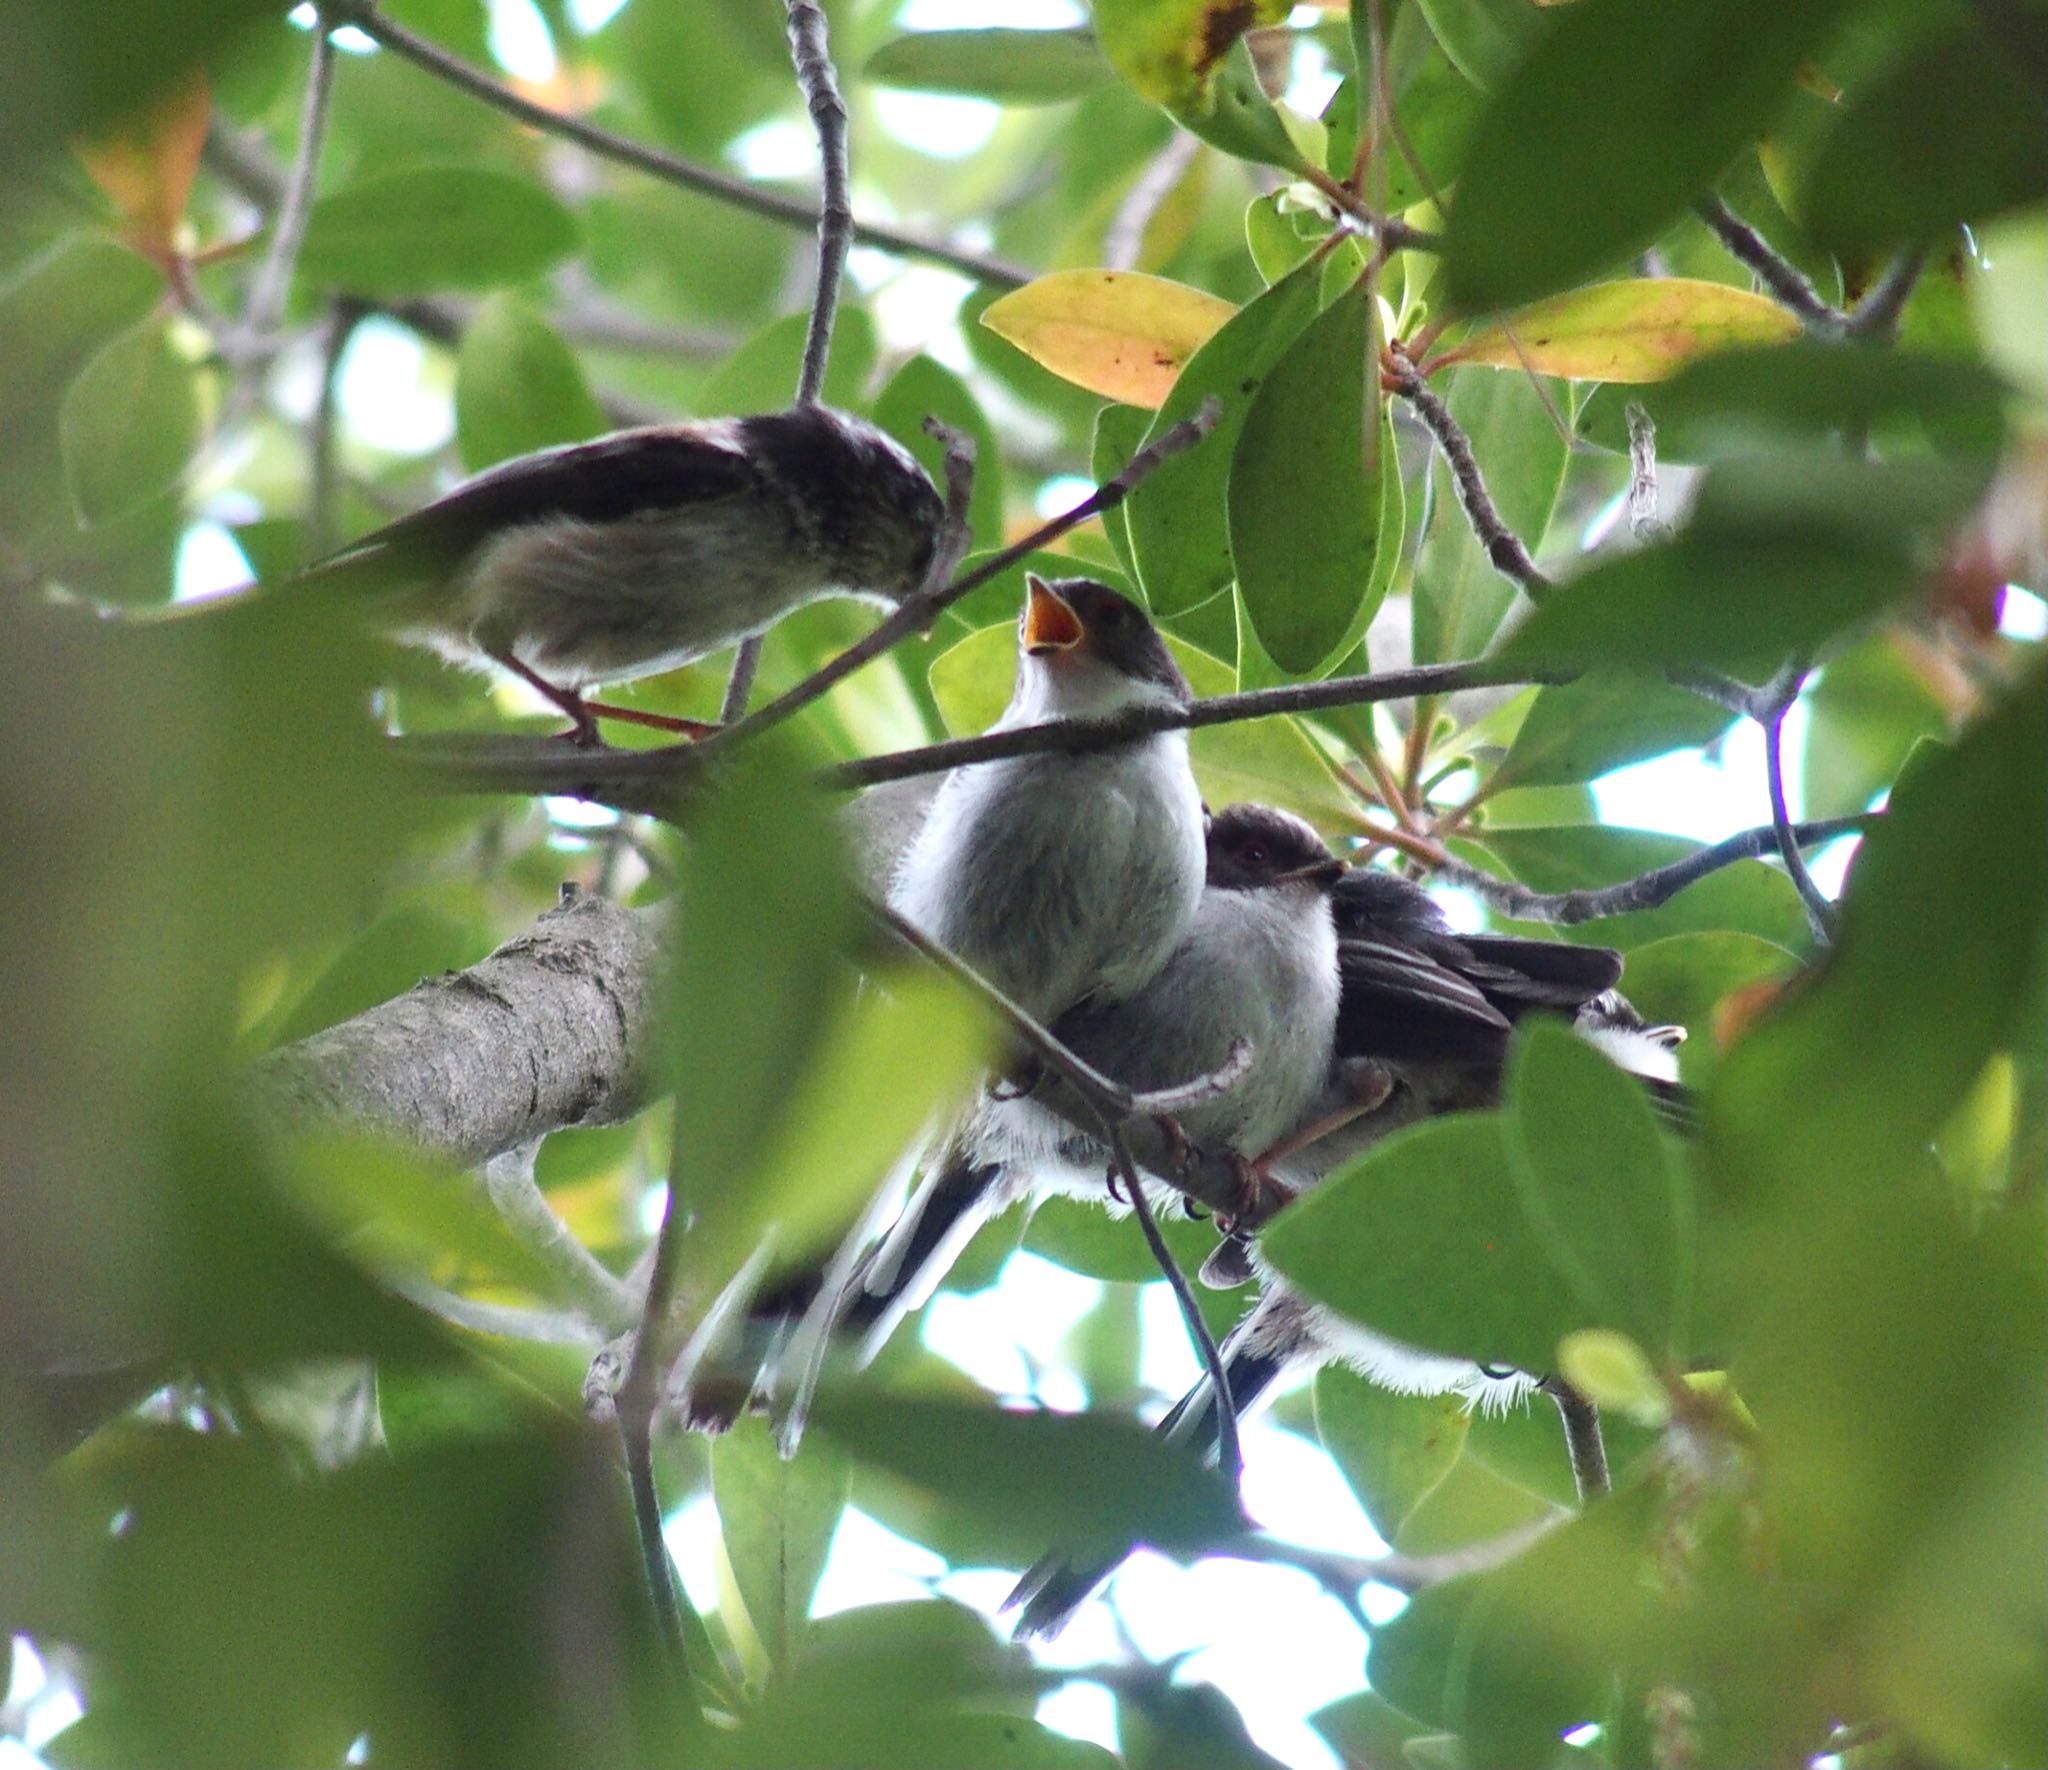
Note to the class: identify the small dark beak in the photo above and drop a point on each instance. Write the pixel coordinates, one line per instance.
(1049, 623)
(1324, 873)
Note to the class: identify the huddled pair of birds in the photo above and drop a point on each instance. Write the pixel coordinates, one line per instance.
(1094, 890)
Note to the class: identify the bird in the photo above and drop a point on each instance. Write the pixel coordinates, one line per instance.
(1423, 1023)
(1066, 880)
(637, 552)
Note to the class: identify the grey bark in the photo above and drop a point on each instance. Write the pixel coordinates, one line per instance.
(551, 1030)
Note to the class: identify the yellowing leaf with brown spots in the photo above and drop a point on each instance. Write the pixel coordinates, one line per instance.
(146, 164)
(1642, 329)
(1168, 50)
(1119, 333)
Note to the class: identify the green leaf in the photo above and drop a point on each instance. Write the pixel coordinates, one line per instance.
(1014, 67)
(1872, 704)
(1238, 117)
(1119, 434)
(761, 375)
(518, 387)
(1576, 731)
(1484, 39)
(1179, 55)
(1638, 329)
(1120, 333)
(130, 424)
(1619, 115)
(1958, 133)
(776, 1516)
(1520, 440)
(1599, 1188)
(1305, 490)
(1784, 551)
(1038, 1478)
(1179, 529)
(1947, 909)
(1376, 1241)
(429, 228)
(1087, 1240)
(1682, 979)
(924, 388)
(1364, 1728)
(1393, 1449)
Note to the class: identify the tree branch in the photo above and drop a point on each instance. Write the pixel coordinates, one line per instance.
(670, 168)
(509, 1185)
(1643, 521)
(1581, 1438)
(1647, 890)
(551, 1030)
(1876, 316)
(1820, 913)
(265, 305)
(1786, 282)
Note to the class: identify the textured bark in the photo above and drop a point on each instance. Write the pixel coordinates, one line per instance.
(551, 1030)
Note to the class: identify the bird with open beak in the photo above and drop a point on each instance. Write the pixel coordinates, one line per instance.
(1067, 880)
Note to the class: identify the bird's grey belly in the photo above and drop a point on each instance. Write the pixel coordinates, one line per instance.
(584, 603)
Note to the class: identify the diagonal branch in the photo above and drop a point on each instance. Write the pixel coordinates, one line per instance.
(265, 305)
(1786, 282)
(670, 168)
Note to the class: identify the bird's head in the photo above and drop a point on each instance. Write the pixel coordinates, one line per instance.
(1261, 848)
(874, 512)
(1084, 651)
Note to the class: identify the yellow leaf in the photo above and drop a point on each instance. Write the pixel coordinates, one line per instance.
(1642, 329)
(146, 164)
(1119, 333)
(1169, 49)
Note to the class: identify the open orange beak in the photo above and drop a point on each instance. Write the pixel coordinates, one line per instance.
(1049, 624)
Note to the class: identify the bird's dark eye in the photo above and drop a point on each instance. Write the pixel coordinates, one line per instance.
(1255, 854)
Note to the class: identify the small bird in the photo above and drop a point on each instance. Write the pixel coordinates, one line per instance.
(1064, 879)
(1422, 1029)
(636, 553)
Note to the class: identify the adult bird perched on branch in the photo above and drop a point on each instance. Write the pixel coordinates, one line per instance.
(1064, 879)
(1423, 1021)
(636, 553)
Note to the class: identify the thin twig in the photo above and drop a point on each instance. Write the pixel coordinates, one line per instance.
(639, 1393)
(918, 611)
(1643, 521)
(1876, 317)
(819, 80)
(1647, 890)
(1393, 234)
(510, 1186)
(1785, 281)
(670, 168)
(1503, 546)
(1405, 1573)
(322, 475)
(1820, 913)
(265, 305)
(1229, 1452)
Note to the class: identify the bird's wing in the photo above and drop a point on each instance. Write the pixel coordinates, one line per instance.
(612, 479)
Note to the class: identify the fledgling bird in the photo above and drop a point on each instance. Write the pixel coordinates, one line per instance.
(635, 553)
(1064, 879)
(1423, 1024)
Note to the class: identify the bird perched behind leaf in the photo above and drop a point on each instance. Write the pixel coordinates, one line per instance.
(641, 551)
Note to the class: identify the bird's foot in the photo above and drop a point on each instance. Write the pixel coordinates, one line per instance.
(1259, 1195)
(1180, 1153)
(693, 729)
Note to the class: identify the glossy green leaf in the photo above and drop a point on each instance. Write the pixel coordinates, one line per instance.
(434, 227)
(1376, 1240)
(1682, 979)
(1520, 435)
(518, 387)
(1957, 134)
(1484, 39)
(1120, 333)
(1305, 490)
(1119, 434)
(1236, 115)
(130, 424)
(776, 1516)
(924, 388)
(761, 375)
(1179, 529)
(1086, 1239)
(1015, 67)
(1947, 908)
(1872, 704)
(1365, 1728)
(1038, 1478)
(1599, 1188)
(1576, 731)
(1618, 116)
(1170, 51)
(1393, 1449)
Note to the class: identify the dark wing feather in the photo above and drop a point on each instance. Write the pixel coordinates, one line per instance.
(612, 479)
